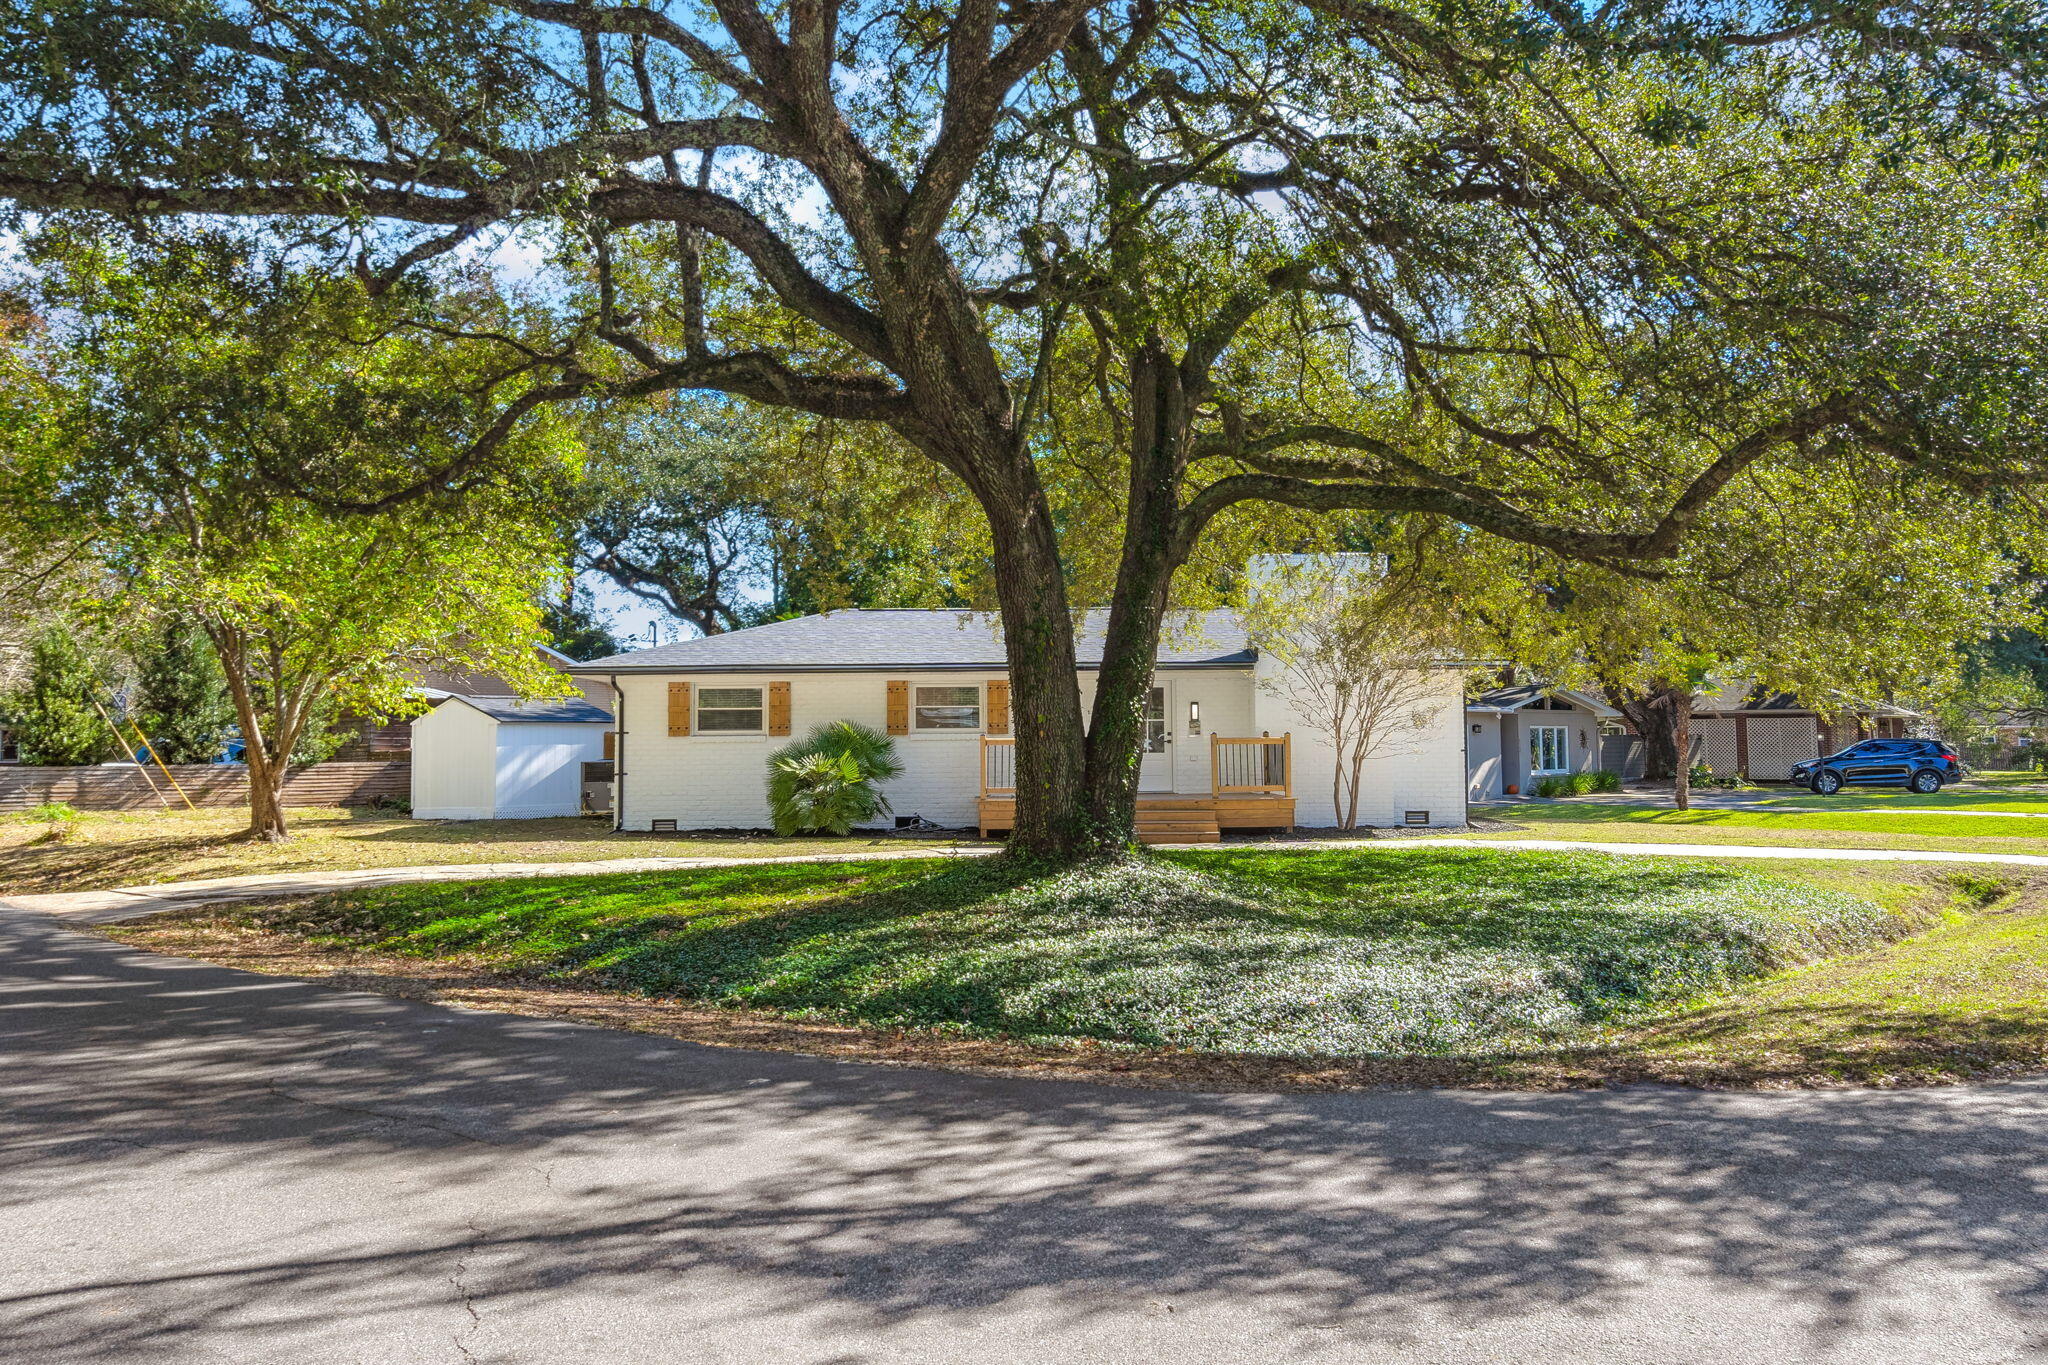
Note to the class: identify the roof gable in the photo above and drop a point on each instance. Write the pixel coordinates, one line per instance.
(1503, 700)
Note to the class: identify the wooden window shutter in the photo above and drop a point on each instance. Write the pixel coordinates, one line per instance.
(999, 706)
(778, 708)
(611, 745)
(899, 708)
(679, 708)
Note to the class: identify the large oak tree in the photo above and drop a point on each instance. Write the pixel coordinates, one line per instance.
(1309, 255)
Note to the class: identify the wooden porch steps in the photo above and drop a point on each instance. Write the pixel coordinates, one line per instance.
(1165, 818)
(1175, 823)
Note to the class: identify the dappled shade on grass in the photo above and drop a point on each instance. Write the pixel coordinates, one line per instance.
(1324, 953)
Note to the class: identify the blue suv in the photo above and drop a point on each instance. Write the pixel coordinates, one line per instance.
(1918, 765)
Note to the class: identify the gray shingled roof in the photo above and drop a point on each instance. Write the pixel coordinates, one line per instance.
(512, 711)
(1515, 698)
(858, 640)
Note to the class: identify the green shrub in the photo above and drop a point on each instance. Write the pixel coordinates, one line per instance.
(829, 780)
(1703, 776)
(1579, 784)
(51, 811)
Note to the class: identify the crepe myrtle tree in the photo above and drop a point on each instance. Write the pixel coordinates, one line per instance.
(1359, 653)
(1311, 252)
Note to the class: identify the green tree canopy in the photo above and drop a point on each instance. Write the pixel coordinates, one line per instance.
(56, 714)
(180, 698)
(185, 383)
(1323, 256)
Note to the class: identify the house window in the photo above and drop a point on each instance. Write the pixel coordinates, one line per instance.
(728, 710)
(948, 708)
(1547, 753)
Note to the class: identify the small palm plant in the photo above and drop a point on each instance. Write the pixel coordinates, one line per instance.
(829, 781)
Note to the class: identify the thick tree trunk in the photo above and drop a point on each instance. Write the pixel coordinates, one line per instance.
(1050, 821)
(1654, 712)
(1137, 613)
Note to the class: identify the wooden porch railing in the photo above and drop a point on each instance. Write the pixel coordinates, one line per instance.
(1261, 764)
(998, 767)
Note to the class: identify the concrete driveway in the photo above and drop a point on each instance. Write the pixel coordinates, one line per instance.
(202, 1165)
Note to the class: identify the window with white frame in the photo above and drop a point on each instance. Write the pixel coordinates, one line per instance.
(1547, 753)
(728, 710)
(948, 708)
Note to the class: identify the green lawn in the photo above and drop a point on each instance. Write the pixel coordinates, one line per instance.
(100, 849)
(2017, 800)
(1968, 996)
(1806, 827)
(1436, 952)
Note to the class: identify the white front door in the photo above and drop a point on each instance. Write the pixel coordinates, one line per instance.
(1155, 767)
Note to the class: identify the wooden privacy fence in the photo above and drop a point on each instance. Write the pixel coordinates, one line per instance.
(122, 787)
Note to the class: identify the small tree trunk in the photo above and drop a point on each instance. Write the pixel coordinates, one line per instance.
(266, 797)
(1357, 777)
(1681, 789)
(266, 774)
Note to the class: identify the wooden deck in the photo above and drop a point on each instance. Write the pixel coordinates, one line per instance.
(1175, 818)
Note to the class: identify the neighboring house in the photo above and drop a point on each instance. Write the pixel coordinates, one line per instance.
(2012, 738)
(697, 720)
(1516, 736)
(1759, 735)
(494, 758)
(1519, 735)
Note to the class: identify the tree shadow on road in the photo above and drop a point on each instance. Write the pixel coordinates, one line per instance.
(352, 1165)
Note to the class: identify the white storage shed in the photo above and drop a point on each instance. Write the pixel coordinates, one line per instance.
(499, 758)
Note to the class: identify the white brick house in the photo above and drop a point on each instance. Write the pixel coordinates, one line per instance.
(696, 721)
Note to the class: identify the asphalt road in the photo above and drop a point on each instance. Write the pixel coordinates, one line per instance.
(202, 1165)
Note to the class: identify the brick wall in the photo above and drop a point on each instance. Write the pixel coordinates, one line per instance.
(719, 781)
(710, 781)
(1424, 770)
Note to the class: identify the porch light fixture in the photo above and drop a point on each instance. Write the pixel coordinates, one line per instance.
(1194, 718)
